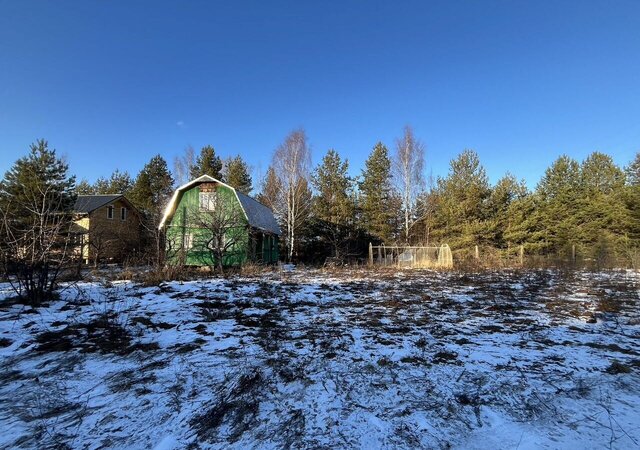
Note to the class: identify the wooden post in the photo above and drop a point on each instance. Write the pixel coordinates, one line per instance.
(573, 253)
(522, 255)
(370, 254)
(477, 253)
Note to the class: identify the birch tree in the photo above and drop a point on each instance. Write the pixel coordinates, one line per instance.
(291, 167)
(183, 165)
(408, 168)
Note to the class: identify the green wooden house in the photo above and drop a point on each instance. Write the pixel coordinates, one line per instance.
(206, 215)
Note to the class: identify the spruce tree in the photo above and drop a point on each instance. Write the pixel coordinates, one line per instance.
(236, 174)
(207, 163)
(333, 205)
(376, 195)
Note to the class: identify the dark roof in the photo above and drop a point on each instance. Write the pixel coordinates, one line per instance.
(87, 203)
(258, 215)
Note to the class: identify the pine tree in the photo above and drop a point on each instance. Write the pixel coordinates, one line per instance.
(376, 195)
(523, 223)
(270, 192)
(153, 188)
(633, 171)
(427, 206)
(85, 188)
(462, 210)
(559, 192)
(333, 205)
(150, 194)
(207, 163)
(120, 183)
(506, 191)
(631, 244)
(600, 175)
(36, 205)
(236, 174)
(601, 211)
(101, 186)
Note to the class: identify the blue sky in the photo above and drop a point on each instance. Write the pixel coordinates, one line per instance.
(111, 83)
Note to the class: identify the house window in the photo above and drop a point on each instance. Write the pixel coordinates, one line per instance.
(110, 212)
(187, 241)
(123, 214)
(207, 201)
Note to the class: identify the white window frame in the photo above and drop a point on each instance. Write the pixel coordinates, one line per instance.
(207, 201)
(123, 214)
(187, 241)
(110, 212)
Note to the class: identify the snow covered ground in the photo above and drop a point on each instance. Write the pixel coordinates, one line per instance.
(306, 359)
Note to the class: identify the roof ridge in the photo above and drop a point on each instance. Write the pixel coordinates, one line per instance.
(100, 195)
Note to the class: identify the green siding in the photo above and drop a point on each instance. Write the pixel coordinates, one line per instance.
(243, 250)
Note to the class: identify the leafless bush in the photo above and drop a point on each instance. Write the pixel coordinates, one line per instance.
(237, 405)
(158, 275)
(251, 269)
(54, 418)
(177, 389)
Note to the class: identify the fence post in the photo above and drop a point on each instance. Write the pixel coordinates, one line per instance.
(573, 253)
(477, 253)
(370, 254)
(522, 255)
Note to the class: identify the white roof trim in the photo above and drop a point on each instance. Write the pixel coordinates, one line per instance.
(168, 211)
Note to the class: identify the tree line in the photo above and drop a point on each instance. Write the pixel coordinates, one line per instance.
(590, 208)
(587, 210)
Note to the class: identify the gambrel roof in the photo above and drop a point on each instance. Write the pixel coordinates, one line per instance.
(258, 215)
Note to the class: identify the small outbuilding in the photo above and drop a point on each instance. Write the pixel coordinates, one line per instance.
(208, 221)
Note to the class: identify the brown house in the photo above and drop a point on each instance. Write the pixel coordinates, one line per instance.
(108, 228)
